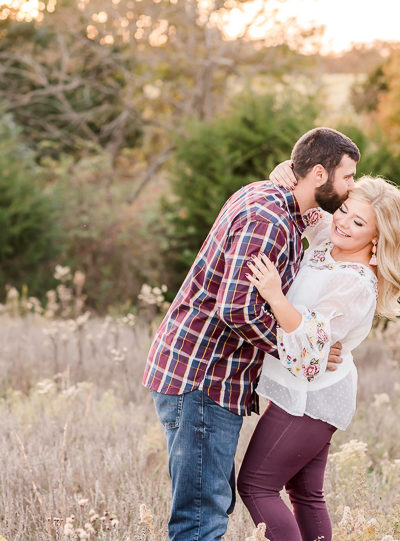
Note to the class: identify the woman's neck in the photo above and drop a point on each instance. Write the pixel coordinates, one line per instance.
(361, 256)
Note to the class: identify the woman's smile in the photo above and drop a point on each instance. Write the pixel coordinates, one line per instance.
(341, 233)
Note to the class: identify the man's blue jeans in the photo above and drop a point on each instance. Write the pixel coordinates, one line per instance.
(202, 439)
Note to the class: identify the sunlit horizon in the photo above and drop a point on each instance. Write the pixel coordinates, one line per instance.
(346, 22)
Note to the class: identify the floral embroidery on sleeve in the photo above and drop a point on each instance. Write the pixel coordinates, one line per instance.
(308, 361)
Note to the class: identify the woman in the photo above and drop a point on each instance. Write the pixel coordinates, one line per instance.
(350, 272)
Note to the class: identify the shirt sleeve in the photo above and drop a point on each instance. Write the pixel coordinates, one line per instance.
(349, 305)
(239, 304)
(318, 226)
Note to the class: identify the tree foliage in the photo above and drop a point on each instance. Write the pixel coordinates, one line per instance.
(360, 58)
(389, 102)
(378, 98)
(65, 90)
(105, 73)
(365, 96)
(378, 157)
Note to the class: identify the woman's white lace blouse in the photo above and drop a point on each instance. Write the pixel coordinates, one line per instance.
(337, 301)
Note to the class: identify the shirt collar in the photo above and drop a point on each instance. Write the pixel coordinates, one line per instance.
(293, 208)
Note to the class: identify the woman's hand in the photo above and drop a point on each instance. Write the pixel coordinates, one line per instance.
(283, 175)
(265, 278)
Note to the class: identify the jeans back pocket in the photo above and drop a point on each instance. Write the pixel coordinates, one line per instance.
(169, 409)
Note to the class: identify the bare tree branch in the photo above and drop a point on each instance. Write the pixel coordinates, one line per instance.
(150, 172)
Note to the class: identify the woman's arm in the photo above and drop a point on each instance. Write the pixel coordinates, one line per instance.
(307, 333)
(301, 350)
(283, 175)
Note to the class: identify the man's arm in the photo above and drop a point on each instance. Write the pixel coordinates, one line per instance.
(239, 304)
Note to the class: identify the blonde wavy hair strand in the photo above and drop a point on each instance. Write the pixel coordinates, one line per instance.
(384, 196)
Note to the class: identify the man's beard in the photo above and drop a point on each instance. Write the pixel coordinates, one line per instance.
(327, 197)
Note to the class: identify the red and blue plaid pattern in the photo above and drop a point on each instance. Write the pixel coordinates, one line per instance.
(216, 330)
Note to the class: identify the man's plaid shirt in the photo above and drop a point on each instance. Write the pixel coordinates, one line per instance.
(217, 328)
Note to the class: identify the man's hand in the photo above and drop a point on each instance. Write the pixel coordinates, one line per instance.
(334, 357)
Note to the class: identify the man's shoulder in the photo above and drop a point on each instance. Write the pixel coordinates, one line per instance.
(263, 201)
(262, 188)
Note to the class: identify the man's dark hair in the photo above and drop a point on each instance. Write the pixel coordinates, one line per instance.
(323, 146)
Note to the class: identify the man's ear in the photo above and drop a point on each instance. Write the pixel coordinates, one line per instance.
(320, 175)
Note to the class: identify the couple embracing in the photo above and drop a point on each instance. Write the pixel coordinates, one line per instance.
(258, 316)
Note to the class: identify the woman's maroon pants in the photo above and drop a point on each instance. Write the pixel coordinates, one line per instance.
(291, 452)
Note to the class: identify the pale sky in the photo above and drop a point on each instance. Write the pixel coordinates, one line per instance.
(346, 21)
(350, 21)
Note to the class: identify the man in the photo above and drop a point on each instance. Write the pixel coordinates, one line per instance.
(207, 354)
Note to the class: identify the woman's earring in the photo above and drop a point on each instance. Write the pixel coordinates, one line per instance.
(373, 260)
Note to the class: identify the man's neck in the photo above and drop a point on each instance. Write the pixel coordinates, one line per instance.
(304, 197)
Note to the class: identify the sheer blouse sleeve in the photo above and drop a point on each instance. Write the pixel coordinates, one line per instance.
(348, 307)
(318, 226)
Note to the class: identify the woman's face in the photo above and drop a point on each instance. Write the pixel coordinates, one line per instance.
(354, 226)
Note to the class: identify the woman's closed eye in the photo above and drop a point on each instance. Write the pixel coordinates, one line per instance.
(343, 210)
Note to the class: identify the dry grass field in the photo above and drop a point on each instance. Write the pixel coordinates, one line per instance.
(82, 455)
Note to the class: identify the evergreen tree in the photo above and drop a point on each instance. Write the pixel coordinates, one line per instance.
(27, 231)
(378, 155)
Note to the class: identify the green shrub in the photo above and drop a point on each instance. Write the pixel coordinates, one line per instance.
(27, 230)
(378, 156)
(105, 235)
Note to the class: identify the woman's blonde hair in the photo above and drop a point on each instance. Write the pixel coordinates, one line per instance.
(384, 196)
